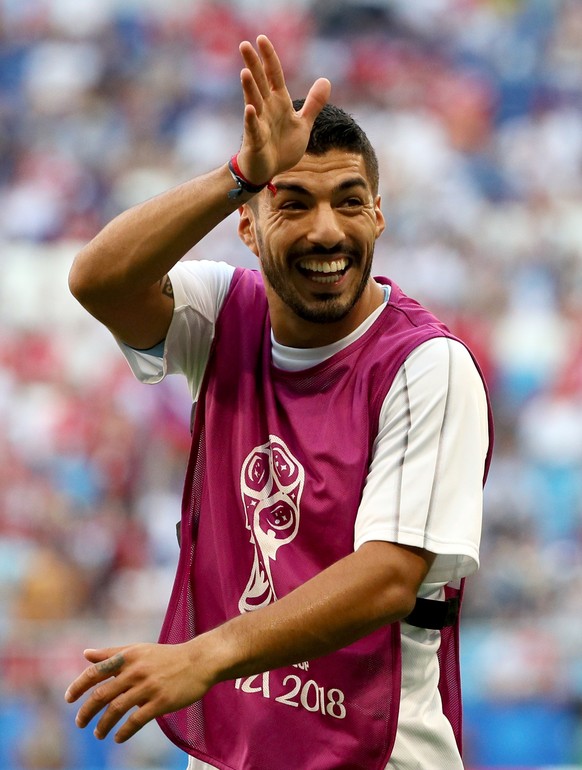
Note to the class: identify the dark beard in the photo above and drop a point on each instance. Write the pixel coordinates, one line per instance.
(327, 308)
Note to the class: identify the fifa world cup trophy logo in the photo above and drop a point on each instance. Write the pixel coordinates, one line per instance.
(271, 483)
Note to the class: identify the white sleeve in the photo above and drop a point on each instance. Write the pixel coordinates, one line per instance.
(199, 287)
(424, 486)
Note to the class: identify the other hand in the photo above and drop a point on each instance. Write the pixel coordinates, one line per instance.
(142, 681)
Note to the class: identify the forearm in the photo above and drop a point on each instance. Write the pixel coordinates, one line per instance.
(137, 248)
(373, 587)
(120, 276)
(352, 598)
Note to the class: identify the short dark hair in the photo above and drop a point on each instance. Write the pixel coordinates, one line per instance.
(335, 129)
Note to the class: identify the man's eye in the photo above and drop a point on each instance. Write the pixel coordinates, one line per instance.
(293, 206)
(353, 202)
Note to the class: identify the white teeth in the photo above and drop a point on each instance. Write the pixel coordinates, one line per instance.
(317, 266)
(325, 278)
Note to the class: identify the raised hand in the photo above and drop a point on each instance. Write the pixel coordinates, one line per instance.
(275, 135)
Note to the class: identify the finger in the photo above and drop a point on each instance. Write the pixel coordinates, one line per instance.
(254, 64)
(102, 697)
(136, 720)
(251, 124)
(112, 665)
(116, 709)
(251, 93)
(96, 655)
(92, 675)
(271, 63)
(316, 99)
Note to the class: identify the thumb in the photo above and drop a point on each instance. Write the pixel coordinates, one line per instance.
(316, 99)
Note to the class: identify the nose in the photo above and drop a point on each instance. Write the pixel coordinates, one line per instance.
(325, 227)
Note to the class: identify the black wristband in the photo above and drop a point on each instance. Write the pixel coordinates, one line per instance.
(242, 184)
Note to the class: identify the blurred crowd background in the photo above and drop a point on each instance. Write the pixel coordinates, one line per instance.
(475, 108)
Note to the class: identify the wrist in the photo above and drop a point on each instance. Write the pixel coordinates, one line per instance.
(243, 184)
(215, 655)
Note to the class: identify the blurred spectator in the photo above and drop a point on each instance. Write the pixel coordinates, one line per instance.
(45, 746)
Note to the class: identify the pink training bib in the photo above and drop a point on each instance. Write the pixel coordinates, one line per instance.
(274, 481)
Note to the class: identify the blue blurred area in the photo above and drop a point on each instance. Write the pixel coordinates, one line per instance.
(475, 108)
(534, 733)
(42, 734)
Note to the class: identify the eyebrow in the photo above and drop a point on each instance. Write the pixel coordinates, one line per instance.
(356, 181)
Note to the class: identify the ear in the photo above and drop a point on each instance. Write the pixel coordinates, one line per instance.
(247, 228)
(380, 221)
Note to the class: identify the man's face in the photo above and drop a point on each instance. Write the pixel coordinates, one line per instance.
(315, 238)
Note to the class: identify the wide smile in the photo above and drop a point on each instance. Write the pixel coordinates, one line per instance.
(324, 271)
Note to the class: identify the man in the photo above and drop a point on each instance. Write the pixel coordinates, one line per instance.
(340, 442)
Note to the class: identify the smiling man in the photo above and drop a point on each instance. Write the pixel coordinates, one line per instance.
(332, 503)
(315, 237)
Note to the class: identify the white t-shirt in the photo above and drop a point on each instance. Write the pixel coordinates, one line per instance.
(424, 486)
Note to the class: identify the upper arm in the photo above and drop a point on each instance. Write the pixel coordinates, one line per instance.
(424, 487)
(200, 288)
(140, 319)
